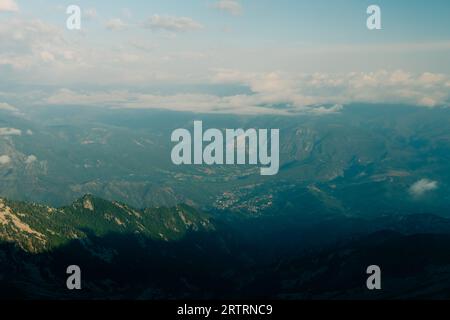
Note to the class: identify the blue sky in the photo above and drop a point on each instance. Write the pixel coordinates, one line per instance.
(284, 20)
(301, 53)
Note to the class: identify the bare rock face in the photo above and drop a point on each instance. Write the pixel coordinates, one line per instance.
(13, 229)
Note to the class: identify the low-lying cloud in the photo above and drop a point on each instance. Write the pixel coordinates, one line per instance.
(30, 159)
(7, 107)
(422, 187)
(10, 132)
(4, 160)
(280, 93)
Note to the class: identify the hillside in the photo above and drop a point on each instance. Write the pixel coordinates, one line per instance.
(180, 252)
(39, 228)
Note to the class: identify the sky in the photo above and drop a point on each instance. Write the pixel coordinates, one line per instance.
(224, 56)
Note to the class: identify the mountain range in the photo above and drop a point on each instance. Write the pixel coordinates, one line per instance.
(96, 188)
(180, 252)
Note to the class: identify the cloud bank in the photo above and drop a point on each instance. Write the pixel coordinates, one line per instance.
(280, 93)
(37, 52)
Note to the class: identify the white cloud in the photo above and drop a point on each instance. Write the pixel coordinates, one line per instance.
(4, 160)
(8, 6)
(10, 132)
(318, 93)
(34, 51)
(172, 23)
(423, 186)
(27, 44)
(321, 110)
(329, 89)
(7, 107)
(230, 6)
(116, 24)
(30, 159)
(37, 52)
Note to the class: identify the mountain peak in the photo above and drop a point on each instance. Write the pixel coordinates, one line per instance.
(88, 202)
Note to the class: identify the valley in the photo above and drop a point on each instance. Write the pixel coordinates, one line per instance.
(70, 154)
